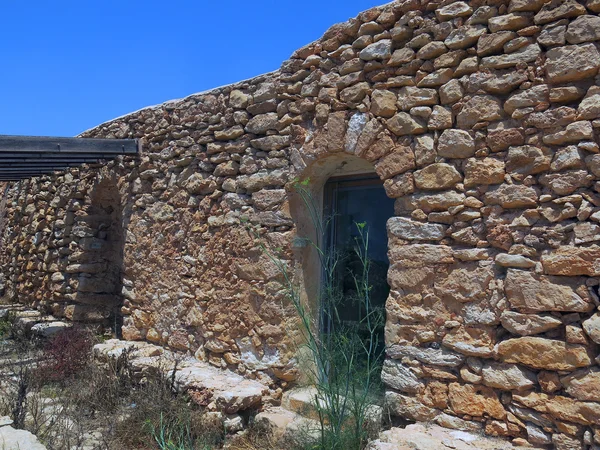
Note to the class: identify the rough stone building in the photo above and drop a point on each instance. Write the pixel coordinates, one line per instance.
(481, 119)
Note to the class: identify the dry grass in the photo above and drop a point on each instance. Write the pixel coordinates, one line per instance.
(106, 407)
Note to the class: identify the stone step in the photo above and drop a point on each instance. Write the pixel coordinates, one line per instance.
(302, 402)
(218, 389)
(285, 423)
(434, 437)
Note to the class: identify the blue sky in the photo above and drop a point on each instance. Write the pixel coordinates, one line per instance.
(70, 65)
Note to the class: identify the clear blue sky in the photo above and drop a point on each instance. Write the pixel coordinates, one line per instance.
(70, 65)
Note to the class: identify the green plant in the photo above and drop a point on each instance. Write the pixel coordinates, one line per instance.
(345, 358)
(5, 327)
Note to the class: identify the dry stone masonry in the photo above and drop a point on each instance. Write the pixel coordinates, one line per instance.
(483, 119)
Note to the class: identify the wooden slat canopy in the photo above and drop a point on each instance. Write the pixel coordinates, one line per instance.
(29, 156)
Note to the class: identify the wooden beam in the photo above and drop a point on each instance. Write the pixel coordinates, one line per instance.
(43, 144)
(34, 155)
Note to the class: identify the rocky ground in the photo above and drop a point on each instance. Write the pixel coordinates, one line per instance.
(226, 395)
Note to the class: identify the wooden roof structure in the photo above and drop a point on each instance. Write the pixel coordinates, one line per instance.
(30, 156)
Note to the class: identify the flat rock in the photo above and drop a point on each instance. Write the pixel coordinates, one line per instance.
(583, 29)
(561, 408)
(512, 196)
(398, 376)
(480, 108)
(456, 144)
(583, 384)
(592, 327)
(528, 324)
(572, 63)
(11, 439)
(507, 377)
(412, 230)
(433, 356)
(437, 176)
(230, 391)
(529, 292)
(541, 353)
(571, 260)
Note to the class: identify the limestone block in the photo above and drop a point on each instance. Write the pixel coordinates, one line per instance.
(412, 230)
(437, 176)
(399, 376)
(528, 324)
(475, 401)
(583, 384)
(456, 144)
(561, 408)
(572, 63)
(541, 353)
(529, 292)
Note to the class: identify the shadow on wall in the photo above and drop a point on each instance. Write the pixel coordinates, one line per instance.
(95, 267)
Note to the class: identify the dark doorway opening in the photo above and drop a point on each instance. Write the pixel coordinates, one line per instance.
(352, 202)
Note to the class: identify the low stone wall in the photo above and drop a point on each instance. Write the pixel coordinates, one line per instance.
(482, 117)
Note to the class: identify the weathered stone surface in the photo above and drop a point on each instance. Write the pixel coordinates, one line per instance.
(571, 260)
(529, 292)
(470, 341)
(453, 10)
(525, 54)
(541, 353)
(410, 96)
(406, 406)
(561, 408)
(507, 377)
(528, 324)
(378, 50)
(12, 439)
(437, 176)
(512, 196)
(484, 171)
(456, 144)
(262, 123)
(489, 44)
(530, 97)
(466, 282)
(435, 357)
(398, 376)
(574, 132)
(520, 261)
(552, 11)
(400, 185)
(589, 108)
(584, 29)
(583, 384)
(592, 327)
(383, 103)
(401, 160)
(572, 63)
(429, 202)
(480, 108)
(464, 37)
(475, 401)
(412, 230)
(566, 183)
(403, 124)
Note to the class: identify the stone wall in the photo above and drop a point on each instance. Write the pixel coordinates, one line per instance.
(482, 117)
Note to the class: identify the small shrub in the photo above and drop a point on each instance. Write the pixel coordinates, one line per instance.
(67, 353)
